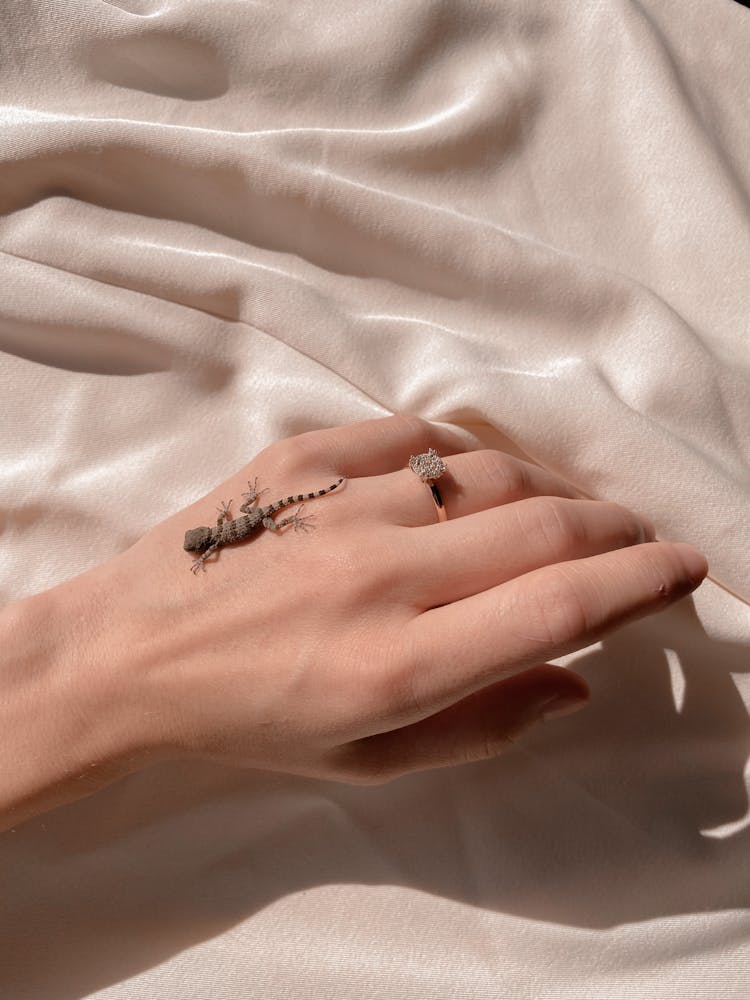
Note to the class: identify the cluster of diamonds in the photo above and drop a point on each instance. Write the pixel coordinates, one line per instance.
(428, 465)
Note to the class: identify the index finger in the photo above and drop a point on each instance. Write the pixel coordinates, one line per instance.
(458, 648)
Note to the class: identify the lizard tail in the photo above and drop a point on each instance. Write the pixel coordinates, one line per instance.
(307, 496)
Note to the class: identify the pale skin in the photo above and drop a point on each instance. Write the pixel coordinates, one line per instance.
(378, 644)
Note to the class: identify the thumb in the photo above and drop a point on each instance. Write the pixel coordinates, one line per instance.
(476, 728)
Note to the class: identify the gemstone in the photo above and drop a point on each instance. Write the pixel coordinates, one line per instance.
(428, 465)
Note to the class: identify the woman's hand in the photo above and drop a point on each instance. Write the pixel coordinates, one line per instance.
(379, 643)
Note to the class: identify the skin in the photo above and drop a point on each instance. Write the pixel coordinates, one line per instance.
(378, 644)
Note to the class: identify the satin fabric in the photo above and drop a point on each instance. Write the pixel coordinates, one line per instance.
(225, 223)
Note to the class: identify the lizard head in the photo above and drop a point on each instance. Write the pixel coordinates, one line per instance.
(197, 538)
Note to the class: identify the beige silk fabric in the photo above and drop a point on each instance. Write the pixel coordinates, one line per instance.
(223, 223)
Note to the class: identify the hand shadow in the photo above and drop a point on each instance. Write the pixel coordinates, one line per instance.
(590, 820)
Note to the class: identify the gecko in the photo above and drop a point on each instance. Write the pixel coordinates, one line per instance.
(227, 530)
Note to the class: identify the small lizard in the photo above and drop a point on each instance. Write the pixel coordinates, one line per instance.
(223, 533)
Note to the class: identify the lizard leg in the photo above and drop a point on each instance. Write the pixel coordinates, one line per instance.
(252, 495)
(200, 561)
(295, 519)
(224, 514)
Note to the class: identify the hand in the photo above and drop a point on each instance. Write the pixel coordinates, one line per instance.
(380, 643)
(383, 641)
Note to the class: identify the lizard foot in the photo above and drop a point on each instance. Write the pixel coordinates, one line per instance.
(301, 523)
(201, 560)
(224, 513)
(252, 495)
(295, 519)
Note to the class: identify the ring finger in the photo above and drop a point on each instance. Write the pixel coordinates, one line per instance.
(474, 481)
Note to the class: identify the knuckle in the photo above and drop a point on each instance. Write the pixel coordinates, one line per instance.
(286, 459)
(302, 448)
(512, 475)
(412, 425)
(393, 690)
(558, 608)
(557, 521)
(392, 694)
(381, 684)
(369, 576)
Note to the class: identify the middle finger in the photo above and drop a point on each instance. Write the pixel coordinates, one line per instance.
(447, 562)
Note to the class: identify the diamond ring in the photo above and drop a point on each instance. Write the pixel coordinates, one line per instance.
(429, 466)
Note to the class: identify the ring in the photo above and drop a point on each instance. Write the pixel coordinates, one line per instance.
(429, 466)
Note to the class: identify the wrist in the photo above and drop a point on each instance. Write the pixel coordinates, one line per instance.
(70, 723)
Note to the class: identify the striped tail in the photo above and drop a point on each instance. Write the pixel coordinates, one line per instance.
(305, 496)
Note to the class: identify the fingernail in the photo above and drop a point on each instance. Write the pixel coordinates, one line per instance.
(561, 704)
(695, 563)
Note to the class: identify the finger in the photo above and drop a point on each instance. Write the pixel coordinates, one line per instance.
(369, 447)
(446, 562)
(452, 651)
(474, 481)
(476, 728)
